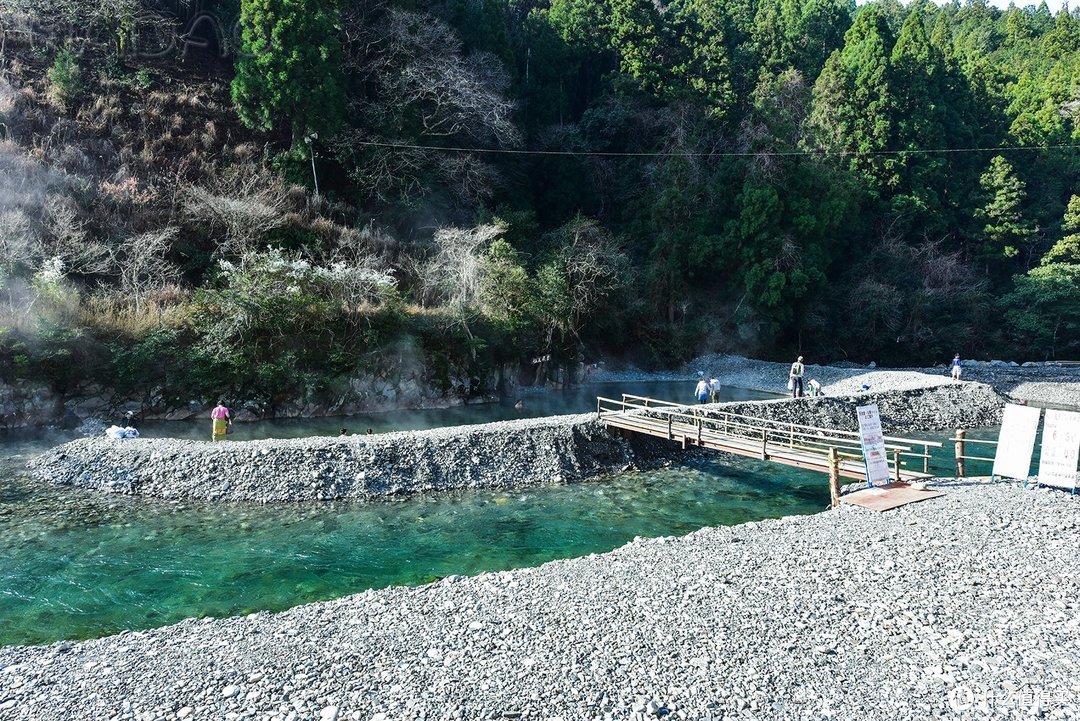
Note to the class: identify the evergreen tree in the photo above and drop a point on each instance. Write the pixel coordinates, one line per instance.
(1006, 231)
(636, 35)
(854, 103)
(1064, 38)
(706, 67)
(1042, 312)
(288, 72)
(1067, 250)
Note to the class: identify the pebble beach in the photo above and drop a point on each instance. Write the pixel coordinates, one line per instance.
(964, 606)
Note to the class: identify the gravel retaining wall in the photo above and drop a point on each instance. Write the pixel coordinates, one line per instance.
(494, 455)
(529, 452)
(960, 607)
(953, 405)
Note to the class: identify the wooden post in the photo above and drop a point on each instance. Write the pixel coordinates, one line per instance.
(764, 443)
(960, 434)
(926, 459)
(896, 463)
(834, 477)
(669, 436)
(700, 423)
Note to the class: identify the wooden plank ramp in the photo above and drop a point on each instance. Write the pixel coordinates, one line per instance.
(826, 450)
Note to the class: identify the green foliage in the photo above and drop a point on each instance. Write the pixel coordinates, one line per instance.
(743, 175)
(65, 76)
(1043, 311)
(1007, 232)
(1067, 250)
(269, 329)
(705, 67)
(854, 101)
(635, 27)
(505, 293)
(288, 73)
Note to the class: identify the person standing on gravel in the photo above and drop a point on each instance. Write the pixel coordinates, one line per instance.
(795, 378)
(222, 419)
(956, 367)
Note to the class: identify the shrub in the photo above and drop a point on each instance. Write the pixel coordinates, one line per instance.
(65, 76)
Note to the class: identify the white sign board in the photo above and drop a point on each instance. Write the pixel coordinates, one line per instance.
(873, 444)
(1016, 441)
(1060, 449)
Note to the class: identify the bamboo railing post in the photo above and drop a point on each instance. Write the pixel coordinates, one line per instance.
(896, 464)
(764, 444)
(834, 477)
(669, 435)
(926, 458)
(960, 434)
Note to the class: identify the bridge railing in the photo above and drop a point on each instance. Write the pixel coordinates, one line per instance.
(784, 434)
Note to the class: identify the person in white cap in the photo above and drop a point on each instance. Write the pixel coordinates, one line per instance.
(701, 390)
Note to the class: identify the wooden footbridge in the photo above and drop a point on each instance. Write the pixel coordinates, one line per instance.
(837, 453)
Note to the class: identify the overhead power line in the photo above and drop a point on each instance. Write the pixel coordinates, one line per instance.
(711, 154)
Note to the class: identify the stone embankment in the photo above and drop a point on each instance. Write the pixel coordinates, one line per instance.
(942, 406)
(495, 455)
(960, 607)
(508, 454)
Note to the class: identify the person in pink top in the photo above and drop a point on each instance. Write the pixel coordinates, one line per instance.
(222, 419)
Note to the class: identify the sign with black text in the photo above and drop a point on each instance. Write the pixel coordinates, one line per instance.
(873, 445)
(1060, 449)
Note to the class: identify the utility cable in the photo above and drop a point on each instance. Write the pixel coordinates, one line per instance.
(711, 154)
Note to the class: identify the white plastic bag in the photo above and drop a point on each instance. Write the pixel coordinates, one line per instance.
(791, 383)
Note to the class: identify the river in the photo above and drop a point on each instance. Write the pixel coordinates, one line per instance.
(78, 564)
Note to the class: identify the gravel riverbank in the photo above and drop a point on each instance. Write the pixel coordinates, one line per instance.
(1043, 385)
(495, 455)
(507, 454)
(964, 606)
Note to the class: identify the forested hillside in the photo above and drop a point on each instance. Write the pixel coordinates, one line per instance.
(258, 196)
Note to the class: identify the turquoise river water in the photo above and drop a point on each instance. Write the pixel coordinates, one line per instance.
(77, 564)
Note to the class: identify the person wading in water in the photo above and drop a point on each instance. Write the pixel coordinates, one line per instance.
(221, 419)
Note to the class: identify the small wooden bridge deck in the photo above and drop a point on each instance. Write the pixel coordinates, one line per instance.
(837, 453)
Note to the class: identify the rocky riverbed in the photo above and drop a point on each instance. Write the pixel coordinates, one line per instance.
(964, 606)
(507, 454)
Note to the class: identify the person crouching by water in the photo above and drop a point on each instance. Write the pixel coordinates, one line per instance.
(701, 392)
(795, 379)
(222, 419)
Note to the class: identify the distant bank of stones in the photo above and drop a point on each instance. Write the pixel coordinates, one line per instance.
(507, 454)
